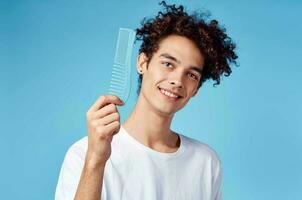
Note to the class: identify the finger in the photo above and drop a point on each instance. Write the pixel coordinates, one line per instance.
(104, 100)
(106, 110)
(113, 128)
(107, 119)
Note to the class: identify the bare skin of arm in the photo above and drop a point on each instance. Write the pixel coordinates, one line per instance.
(91, 181)
(103, 122)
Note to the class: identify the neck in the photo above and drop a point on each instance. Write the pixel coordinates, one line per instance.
(150, 127)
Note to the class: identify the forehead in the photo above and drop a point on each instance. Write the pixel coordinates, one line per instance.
(184, 49)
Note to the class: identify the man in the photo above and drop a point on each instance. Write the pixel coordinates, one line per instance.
(143, 159)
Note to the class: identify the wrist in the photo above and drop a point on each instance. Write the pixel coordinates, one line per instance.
(94, 161)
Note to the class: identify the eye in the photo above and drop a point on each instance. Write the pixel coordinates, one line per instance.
(193, 76)
(167, 64)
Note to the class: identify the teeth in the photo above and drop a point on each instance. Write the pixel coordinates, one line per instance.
(168, 93)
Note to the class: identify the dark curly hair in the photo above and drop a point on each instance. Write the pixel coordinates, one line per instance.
(216, 46)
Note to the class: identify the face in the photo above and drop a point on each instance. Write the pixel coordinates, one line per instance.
(172, 75)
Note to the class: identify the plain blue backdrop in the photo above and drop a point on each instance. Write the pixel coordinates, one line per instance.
(56, 58)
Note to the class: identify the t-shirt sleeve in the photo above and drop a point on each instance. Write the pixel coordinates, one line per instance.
(69, 175)
(217, 181)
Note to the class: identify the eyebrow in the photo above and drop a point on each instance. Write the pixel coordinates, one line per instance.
(168, 56)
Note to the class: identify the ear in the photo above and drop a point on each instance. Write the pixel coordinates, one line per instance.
(141, 64)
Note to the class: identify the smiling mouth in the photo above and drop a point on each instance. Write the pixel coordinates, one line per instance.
(169, 94)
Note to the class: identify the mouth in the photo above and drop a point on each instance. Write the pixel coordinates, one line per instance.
(169, 95)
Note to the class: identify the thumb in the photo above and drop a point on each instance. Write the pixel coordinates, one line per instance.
(120, 102)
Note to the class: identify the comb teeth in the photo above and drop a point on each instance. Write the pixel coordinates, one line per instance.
(120, 83)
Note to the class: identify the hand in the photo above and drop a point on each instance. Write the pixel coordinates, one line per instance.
(103, 121)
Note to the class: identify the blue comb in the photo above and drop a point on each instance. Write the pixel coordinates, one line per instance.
(120, 84)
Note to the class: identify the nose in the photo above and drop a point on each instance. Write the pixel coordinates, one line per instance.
(176, 83)
(176, 79)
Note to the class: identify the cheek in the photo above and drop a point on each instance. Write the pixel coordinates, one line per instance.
(158, 74)
(191, 88)
(152, 78)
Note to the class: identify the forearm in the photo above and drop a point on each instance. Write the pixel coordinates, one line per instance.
(91, 181)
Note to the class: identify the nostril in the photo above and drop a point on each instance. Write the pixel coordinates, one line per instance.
(178, 84)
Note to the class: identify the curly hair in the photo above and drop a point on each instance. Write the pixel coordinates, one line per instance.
(211, 39)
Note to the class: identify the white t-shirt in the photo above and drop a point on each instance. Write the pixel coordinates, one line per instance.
(137, 172)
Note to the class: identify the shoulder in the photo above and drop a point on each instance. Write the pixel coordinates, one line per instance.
(79, 145)
(207, 158)
(201, 149)
(77, 150)
(71, 170)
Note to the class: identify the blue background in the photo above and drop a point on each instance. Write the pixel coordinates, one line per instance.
(56, 58)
